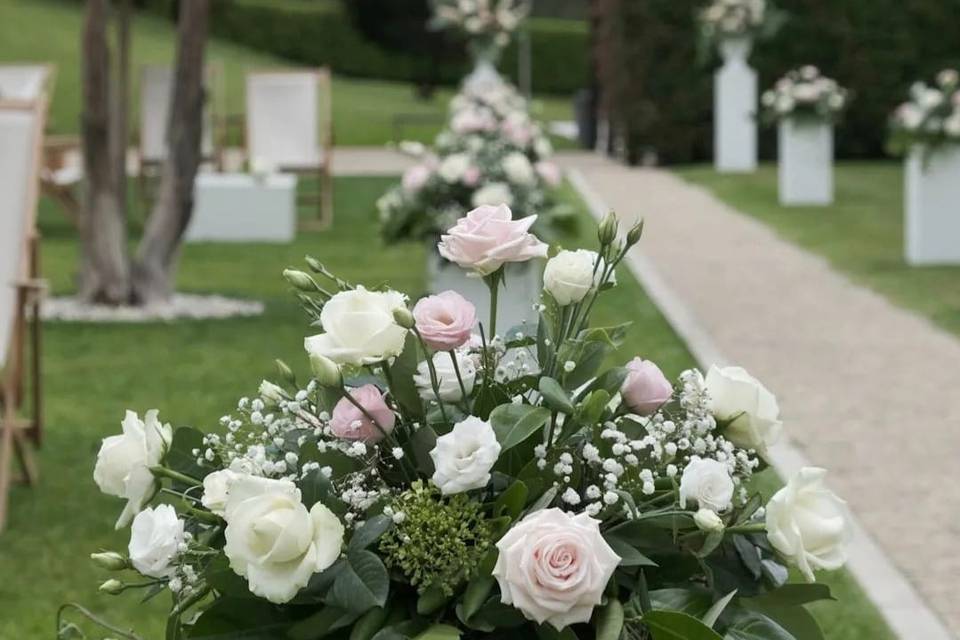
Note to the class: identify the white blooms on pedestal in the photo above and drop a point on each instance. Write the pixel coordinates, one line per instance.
(463, 458)
(155, 538)
(751, 410)
(124, 461)
(359, 327)
(808, 524)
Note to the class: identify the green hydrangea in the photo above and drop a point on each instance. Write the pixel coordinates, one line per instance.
(439, 541)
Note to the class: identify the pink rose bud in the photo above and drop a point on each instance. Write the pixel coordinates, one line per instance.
(488, 237)
(445, 321)
(549, 172)
(645, 388)
(350, 423)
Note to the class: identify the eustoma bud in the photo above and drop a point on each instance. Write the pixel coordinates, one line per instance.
(607, 232)
(300, 280)
(403, 317)
(112, 587)
(110, 560)
(325, 371)
(635, 233)
(285, 371)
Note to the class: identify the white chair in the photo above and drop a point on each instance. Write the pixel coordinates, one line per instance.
(21, 137)
(289, 128)
(156, 86)
(24, 82)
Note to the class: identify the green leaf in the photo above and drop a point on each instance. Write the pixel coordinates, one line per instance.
(369, 624)
(673, 625)
(593, 407)
(316, 487)
(796, 620)
(792, 595)
(752, 625)
(321, 624)
(243, 619)
(610, 621)
(711, 616)
(225, 580)
(694, 602)
(403, 389)
(490, 397)
(749, 555)
(422, 442)
(514, 423)
(431, 600)
(361, 585)
(440, 632)
(588, 358)
(370, 532)
(476, 594)
(320, 584)
(629, 556)
(544, 501)
(555, 397)
(511, 501)
(750, 508)
(610, 381)
(180, 455)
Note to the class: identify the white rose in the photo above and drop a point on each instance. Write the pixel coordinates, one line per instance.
(463, 458)
(554, 567)
(155, 535)
(808, 524)
(447, 382)
(216, 488)
(750, 409)
(518, 169)
(124, 461)
(273, 541)
(542, 147)
(359, 327)
(570, 275)
(708, 483)
(708, 520)
(453, 167)
(493, 194)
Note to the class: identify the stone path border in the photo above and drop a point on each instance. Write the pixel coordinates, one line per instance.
(898, 601)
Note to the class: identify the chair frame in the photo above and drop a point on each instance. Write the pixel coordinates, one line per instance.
(20, 435)
(324, 170)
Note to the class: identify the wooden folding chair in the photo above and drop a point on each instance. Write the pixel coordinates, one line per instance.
(289, 127)
(21, 139)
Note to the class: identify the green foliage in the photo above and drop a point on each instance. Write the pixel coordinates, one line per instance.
(662, 97)
(440, 542)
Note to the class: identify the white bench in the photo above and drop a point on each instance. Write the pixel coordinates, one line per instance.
(238, 207)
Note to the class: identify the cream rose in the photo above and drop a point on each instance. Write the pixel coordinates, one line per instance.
(124, 461)
(751, 411)
(570, 275)
(359, 327)
(274, 541)
(216, 488)
(155, 537)
(707, 482)
(447, 381)
(554, 566)
(808, 524)
(463, 458)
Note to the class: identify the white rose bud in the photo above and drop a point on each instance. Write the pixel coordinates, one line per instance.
(808, 524)
(751, 411)
(155, 537)
(707, 482)
(110, 560)
(707, 520)
(463, 458)
(447, 382)
(270, 392)
(570, 275)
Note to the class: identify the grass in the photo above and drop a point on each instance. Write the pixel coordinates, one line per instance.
(195, 371)
(861, 234)
(363, 110)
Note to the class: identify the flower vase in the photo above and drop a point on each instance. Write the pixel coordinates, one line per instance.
(805, 162)
(484, 74)
(932, 205)
(735, 105)
(522, 285)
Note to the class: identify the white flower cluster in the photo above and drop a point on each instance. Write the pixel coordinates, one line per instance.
(733, 18)
(486, 20)
(933, 112)
(805, 92)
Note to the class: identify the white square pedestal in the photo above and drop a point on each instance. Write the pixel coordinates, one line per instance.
(237, 207)
(806, 162)
(932, 206)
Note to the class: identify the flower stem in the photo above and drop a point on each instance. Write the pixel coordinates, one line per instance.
(456, 369)
(493, 283)
(127, 635)
(165, 472)
(754, 527)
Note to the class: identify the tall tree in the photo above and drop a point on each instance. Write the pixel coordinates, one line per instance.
(157, 256)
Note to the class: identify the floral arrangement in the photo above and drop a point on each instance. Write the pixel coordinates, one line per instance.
(728, 19)
(491, 152)
(931, 117)
(488, 24)
(805, 93)
(437, 478)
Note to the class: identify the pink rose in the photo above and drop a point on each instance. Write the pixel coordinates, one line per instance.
(645, 388)
(349, 423)
(472, 120)
(445, 320)
(488, 237)
(554, 566)
(415, 177)
(549, 172)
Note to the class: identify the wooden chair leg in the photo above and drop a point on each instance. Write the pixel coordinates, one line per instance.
(28, 463)
(6, 455)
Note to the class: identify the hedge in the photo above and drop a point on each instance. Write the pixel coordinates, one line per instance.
(320, 32)
(662, 98)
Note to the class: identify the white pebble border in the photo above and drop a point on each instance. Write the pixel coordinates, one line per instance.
(182, 306)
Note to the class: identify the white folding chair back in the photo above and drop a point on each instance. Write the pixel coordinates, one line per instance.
(282, 119)
(156, 85)
(18, 167)
(23, 81)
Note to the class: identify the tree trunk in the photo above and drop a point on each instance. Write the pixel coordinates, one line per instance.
(104, 271)
(157, 256)
(120, 135)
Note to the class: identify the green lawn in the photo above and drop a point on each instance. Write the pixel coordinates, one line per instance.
(364, 110)
(861, 234)
(194, 372)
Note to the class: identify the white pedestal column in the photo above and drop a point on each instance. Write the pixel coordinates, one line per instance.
(735, 107)
(524, 281)
(806, 162)
(932, 206)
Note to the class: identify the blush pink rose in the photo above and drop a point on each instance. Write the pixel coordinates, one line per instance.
(554, 566)
(488, 237)
(415, 177)
(645, 388)
(549, 172)
(471, 121)
(445, 321)
(349, 423)
(471, 177)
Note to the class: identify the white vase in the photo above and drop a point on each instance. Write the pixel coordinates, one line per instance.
(734, 109)
(484, 76)
(806, 161)
(932, 205)
(518, 294)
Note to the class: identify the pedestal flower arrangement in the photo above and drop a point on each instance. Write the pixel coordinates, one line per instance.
(804, 105)
(418, 486)
(738, 20)
(487, 24)
(927, 130)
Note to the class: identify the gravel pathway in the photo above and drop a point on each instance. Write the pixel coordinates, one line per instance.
(867, 389)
